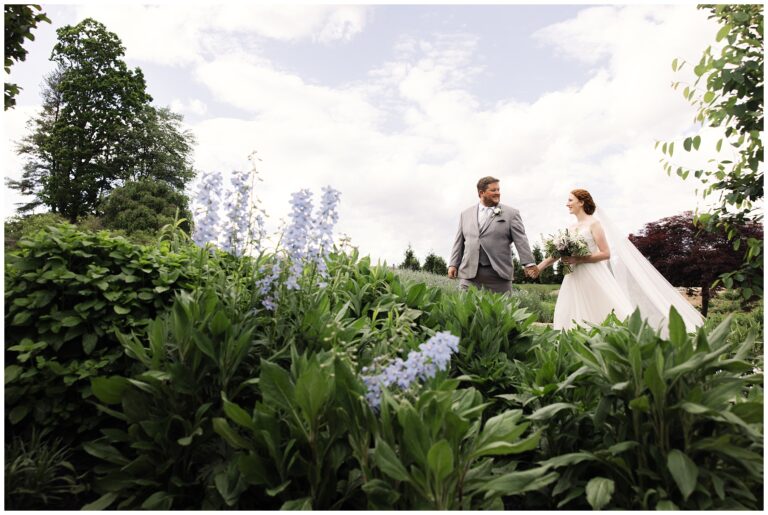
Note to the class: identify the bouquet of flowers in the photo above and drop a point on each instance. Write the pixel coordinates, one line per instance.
(565, 243)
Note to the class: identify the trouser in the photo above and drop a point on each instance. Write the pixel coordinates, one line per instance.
(488, 279)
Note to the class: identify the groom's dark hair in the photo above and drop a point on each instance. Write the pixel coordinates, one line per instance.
(483, 183)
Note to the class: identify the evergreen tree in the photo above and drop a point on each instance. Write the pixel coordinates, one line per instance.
(411, 262)
(435, 264)
(146, 206)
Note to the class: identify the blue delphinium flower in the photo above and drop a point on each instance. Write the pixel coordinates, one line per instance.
(322, 235)
(206, 211)
(266, 286)
(238, 208)
(297, 235)
(433, 355)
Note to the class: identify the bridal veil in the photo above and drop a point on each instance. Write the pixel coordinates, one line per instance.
(645, 287)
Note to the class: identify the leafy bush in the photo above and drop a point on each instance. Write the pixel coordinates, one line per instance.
(145, 206)
(667, 423)
(67, 292)
(20, 226)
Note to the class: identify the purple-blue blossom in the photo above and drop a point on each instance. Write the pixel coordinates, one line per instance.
(266, 286)
(206, 211)
(433, 355)
(322, 234)
(238, 208)
(297, 235)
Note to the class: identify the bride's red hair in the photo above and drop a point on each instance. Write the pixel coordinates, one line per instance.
(584, 196)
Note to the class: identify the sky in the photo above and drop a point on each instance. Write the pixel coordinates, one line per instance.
(402, 108)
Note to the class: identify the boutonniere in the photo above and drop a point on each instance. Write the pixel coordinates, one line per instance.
(496, 211)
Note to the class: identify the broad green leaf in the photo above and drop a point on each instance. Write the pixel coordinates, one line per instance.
(18, 413)
(723, 32)
(313, 390)
(565, 460)
(254, 469)
(388, 461)
(158, 501)
(599, 492)
(105, 452)
(71, 321)
(109, 390)
(89, 342)
(305, 503)
(666, 505)
(381, 495)
(237, 414)
(121, 310)
(12, 372)
(518, 482)
(684, 471)
(440, 459)
(696, 142)
(677, 333)
(224, 430)
(415, 433)
(550, 411)
(102, 503)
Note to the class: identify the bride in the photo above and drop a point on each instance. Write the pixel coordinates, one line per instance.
(594, 289)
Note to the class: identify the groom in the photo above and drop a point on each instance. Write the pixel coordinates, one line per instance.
(482, 253)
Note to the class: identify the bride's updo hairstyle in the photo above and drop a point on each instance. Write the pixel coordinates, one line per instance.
(584, 196)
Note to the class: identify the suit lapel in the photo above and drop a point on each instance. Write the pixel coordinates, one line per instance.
(486, 224)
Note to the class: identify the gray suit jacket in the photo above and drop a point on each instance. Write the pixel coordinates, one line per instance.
(495, 237)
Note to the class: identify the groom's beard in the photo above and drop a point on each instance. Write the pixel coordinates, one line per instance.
(490, 202)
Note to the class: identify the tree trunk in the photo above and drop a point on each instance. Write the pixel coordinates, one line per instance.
(705, 297)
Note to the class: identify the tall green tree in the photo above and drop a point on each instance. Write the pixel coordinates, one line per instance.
(97, 128)
(728, 94)
(19, 21)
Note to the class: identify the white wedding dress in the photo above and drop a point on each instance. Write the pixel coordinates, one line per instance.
(593, 290)
(590, 292)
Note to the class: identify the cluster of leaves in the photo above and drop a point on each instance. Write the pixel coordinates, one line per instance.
(687, 255)
(67, 292)
(731, 98)
(18, 22)
(632, 421)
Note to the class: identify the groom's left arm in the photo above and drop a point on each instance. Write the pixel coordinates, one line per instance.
(517, 233)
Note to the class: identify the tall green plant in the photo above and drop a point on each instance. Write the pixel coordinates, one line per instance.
(678, 422)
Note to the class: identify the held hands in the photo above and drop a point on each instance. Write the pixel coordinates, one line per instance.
(532, 271)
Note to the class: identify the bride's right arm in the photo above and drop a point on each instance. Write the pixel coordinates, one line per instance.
(546, 263)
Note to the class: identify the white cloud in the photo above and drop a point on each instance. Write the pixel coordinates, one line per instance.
(193, 106)
(170, 34)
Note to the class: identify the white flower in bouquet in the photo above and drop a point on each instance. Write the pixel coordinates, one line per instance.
(565, 243)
